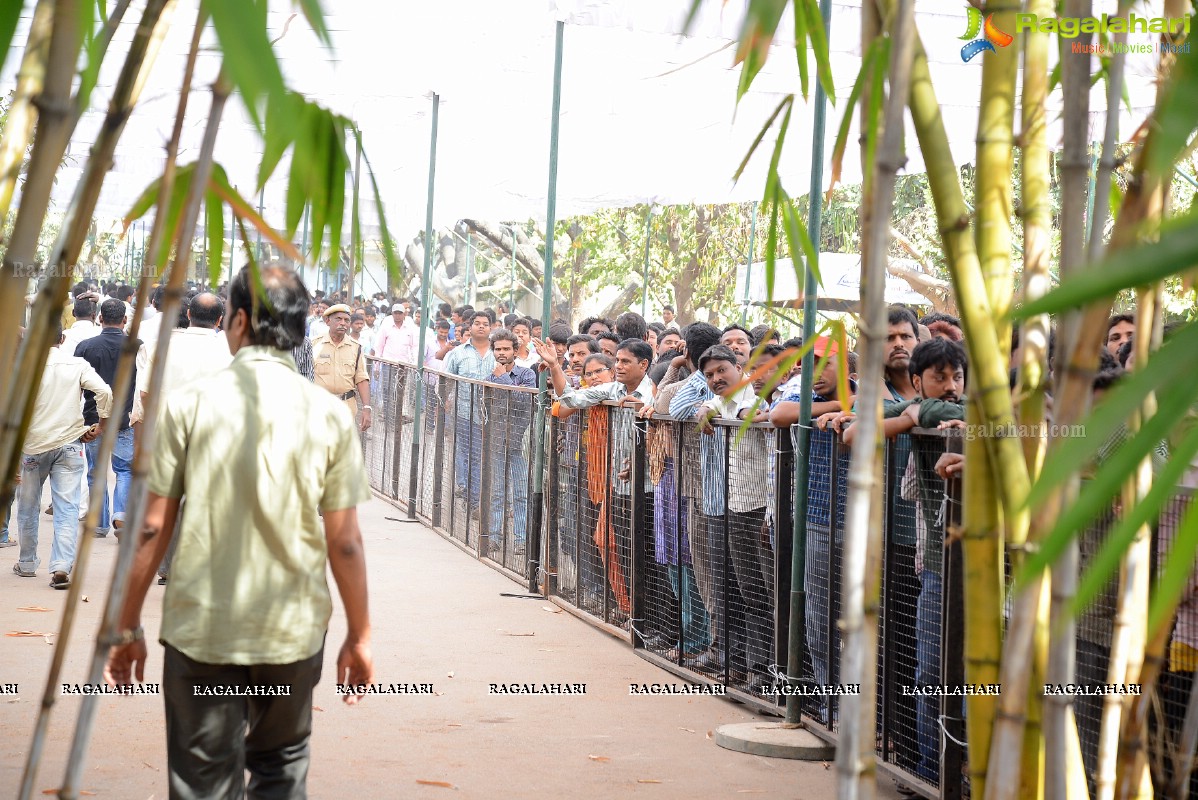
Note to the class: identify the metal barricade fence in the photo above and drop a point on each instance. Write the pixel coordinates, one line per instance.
(679, 541)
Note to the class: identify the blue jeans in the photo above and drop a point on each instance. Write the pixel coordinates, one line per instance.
(64, 466)
(468, 457)
(122, 465)
(516, 485)
(927, 673)
(696, 634)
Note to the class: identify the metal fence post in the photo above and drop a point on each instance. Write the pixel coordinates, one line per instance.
(637, 528)
(783, 543)
(401, 380)
(485, 476)
(438, 451)
(552, 524)
(886, 668)
(952, 651)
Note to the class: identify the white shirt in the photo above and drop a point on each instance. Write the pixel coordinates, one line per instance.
(82, 329)
(194, 353)
(317, 327)
(58, 409)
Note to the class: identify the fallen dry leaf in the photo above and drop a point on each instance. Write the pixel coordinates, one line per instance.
(450, 675)
(546, 650)
(599, 758)
(827, 765)
(646, 780)
(28, 633)
(507, 633)
(317, 708)
(551, 609)
(33, 608)
(688, 730)
(83, 792)
(151, 766)
(442, 784)
(750, 791)
(709, 735)
(453, 725)
(85, 598)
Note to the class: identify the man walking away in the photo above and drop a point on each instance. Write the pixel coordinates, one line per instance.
(103, 352)
(248, 606)
(54, 449)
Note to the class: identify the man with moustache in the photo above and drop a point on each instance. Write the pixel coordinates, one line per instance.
(340, 366)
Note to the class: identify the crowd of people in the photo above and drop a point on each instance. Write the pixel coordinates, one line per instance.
(658, 370)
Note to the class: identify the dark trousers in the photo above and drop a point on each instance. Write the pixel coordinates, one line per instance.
(213, 739)
(752, 564)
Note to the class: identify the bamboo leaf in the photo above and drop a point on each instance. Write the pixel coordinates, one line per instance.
(315, 16)
(842, 135)
(788, 102)
(761, 23)
(1118, 404)
(394, 264)
(10, 12)
(1054, 77)
(799, 241)
(819, 45)
(1175, 252)
(249, 58)
(771, 239)
(752, 65)
(800, 16)
(337, 165)
(1106, 561)
(216, 230)
(1179, 566)
(281, 113)
(93, 47)
(244, 212)
(1176, 117)
(318, 180)
(691, 16)
(873, 111)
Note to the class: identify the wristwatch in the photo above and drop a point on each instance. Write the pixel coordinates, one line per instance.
(367, 408)
(128, 636)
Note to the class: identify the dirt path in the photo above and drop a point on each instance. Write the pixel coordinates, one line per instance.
(439, 618)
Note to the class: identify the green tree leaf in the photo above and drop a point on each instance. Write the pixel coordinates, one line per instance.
(216, 228)
(10, 12)
(249, 58)
(315, 16)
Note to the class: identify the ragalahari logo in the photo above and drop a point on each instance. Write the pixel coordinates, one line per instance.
(992, 35)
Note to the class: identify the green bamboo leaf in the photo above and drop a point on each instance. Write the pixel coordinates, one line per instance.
(801, 44)
(244, 212)
(174, 214)
(1117, 405)
(800, 242)
(1096, 494)
(1176, 118)
(338, 164)
(787, 102)
(757, 33)
(1120, 537)
(771, 238)
(249, 58)
(315, 16)
(1179, 566)
(9, 14)
(216, 230)
(390, 253)
(1054, 77)
(691, 16)
(1175, 252)
(318, 176)
(281, 113)
(842, 135)
(819, 45)
(749, 69)
(1115, 199)
(873, 111)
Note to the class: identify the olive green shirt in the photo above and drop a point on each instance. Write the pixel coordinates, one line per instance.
(256, 449)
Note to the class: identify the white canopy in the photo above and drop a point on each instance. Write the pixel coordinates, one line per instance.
(840, 286)
(647, 115)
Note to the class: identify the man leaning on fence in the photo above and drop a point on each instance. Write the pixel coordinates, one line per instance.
(248, 605)
(472, 359)
(339, 365)
(509, 415)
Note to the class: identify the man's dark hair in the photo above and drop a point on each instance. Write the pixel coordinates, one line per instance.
(84, 309)
(156, 297)
(657, 328)
(182, 321)
(1106, 361)
(1117, 318)
(536, 323)
(631, 325)
(717, 352)
(581, 338)
(851, 360)
(937, 352)
(559, 334)
(772, 350)
(442, 324)
(369, 311)
(488, 313)
(662, 366)
(609, 336)
(462, 310)
(668, 307)
(123, 293)
(940, 316)
(795, 342)
(525, 321)
(206, 310)
(1106, 378)
(735, 327)
(356, 318)
(79, 288)
(698, 337)
(639, 348)
(112, 312)
(760, 333)
(276, 319)
(584, 326)
(504, 335)
(510, 320)
(445, 309)
(897, 315)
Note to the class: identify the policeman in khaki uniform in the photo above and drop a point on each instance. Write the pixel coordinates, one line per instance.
(340, 364)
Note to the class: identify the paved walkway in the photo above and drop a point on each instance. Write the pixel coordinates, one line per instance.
(439, 618)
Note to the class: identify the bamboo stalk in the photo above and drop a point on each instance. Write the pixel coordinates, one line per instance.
(1106, 164)
(22, 112)
(53, 133)
(31, 359)
(125, 368)
(992, 395)
(855, 762)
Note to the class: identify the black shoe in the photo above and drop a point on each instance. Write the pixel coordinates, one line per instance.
(162, 580)
(703, 661)
(60, 580)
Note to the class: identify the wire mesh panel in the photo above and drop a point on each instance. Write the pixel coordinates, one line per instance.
(507, 419)
(375, 440)
(822, 578)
